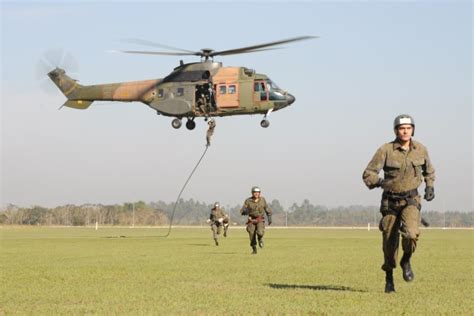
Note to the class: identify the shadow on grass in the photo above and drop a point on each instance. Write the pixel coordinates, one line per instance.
(313, 287)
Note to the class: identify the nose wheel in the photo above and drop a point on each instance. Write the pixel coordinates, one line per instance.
(190, 124)
(265, 123)
(176, 123)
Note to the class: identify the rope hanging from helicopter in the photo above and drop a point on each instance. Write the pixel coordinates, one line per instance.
(210, 132)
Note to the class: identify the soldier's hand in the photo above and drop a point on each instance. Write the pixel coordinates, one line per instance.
(429, 194)
(269, 217)
(379, 183)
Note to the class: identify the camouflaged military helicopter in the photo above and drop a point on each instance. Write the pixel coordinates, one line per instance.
(200, 89)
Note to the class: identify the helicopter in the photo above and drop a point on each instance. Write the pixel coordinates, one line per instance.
(198, 89)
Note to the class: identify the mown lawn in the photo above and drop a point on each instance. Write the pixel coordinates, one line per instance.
(300, 271)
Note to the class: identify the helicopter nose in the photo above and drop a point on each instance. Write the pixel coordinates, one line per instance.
(290, 99)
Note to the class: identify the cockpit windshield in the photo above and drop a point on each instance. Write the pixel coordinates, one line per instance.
(272, 86)
(275, 93)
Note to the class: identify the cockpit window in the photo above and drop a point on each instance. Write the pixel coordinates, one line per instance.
(272, 86)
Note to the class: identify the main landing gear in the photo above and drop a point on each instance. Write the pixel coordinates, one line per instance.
(190, 124)
(176, 123)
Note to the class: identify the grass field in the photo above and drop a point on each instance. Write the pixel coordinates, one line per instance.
(300, 271)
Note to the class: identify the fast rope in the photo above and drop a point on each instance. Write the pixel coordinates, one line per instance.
(210, 131)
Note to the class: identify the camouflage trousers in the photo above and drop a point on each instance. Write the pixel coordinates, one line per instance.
(216, 230)
(255, 230)
(399, 218)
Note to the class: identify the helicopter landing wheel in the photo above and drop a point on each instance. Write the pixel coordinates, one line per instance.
(265, 123)
(190, 124)
(176, 123)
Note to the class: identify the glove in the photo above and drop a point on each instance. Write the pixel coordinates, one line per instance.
(245, 212)
(429, 193)
(379, 183)
(208, 221)
(269, 217)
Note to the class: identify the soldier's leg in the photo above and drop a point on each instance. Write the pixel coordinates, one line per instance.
(251, 229)
(214, 233)
(409, 230)
(260, 233)
(226, 228)
(390, 225)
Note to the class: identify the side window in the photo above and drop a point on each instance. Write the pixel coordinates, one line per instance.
(180, 92)
(160, 93)
(232, 89)
(256, 86)
(222, 89)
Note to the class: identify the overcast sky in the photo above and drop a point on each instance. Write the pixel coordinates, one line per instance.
(371, 63)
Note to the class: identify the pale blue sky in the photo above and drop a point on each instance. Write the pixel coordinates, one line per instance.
(371, 62)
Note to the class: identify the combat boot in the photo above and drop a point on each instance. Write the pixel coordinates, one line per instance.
(217, 242)
(260, 242)
(407, 272)
(389, 285)
(254, 250)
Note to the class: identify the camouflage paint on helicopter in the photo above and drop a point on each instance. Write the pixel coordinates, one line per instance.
(203, 89)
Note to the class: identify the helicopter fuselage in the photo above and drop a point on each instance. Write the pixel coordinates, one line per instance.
(204, 89)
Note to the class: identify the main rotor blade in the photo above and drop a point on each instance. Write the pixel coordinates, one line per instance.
(256, 47)
(251, 51)
(153, 44)
(154, 53)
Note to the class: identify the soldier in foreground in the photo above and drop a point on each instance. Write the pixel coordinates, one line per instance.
(255, 207)
(406, 164)
(218, 219)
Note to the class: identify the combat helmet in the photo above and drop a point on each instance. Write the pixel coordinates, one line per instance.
(216, 205)
(403, 119)
(255, 189)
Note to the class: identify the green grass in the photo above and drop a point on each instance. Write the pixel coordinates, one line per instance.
(300, 271)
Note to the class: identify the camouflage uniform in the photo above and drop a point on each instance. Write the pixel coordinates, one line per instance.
(218, 219)
(210, 131)
(404, 170)
(255, 210)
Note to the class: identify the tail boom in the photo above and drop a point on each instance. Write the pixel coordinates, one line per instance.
(81, 97)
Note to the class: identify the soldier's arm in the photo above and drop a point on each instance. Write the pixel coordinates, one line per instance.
(371, 173)
(428, 171)
(267, 208)
(244, 210)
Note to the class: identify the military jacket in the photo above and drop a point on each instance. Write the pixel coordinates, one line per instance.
(404, 170)
(256, 209)
(217, 214)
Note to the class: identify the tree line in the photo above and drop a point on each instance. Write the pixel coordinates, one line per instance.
(192, 212)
